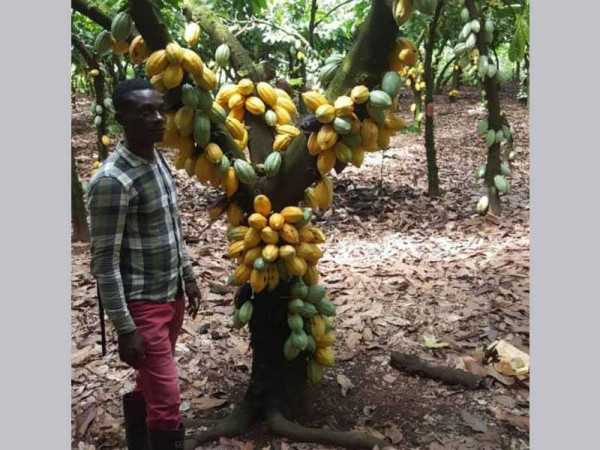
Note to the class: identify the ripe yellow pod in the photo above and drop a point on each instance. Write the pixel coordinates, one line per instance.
(257, 221)
(262, 205)
(246, 86)
(276, 221)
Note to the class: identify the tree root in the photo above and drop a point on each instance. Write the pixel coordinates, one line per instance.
(233, 425)
(298, 433)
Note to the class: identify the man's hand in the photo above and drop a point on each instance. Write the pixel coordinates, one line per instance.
(193, 294)
(132, 349)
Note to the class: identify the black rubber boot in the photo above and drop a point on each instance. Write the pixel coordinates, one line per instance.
(167, 440)
(134, 411)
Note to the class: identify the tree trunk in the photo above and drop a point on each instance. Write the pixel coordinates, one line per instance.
(99, 90)
(490, 85)
(432, 169)
(80, 228)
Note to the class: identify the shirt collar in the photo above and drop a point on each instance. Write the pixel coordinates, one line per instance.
(133, 159)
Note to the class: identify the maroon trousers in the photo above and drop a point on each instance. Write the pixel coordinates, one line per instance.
(158, 379)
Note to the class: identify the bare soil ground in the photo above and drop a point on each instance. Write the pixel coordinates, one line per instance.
(399, 266)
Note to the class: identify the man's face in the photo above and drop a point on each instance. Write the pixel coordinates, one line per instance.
(143, 117)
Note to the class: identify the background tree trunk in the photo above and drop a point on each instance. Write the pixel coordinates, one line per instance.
(80, 228)
(432, 169)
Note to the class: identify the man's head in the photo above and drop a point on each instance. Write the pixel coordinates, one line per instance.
(140, 109)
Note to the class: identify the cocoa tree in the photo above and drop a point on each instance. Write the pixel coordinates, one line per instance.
(247, 137)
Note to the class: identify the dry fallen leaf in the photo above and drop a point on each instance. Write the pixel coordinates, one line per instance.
(344, 383)
(203, 403)
(473, 422)
(394, 434)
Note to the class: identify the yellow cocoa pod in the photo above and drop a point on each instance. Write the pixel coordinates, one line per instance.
(138, 50)
(287, 129)
(246, 86)
(313, 100)
(282, 93)
(235, 127)
(262, 205)
(342, 152)
(304, 250)
(295, 266)
(184, 118)
(402, 10)
(252, 254)
(242, 273)
(408, 54)
(213, 153)
(269, 235)
(156, 63)
(327, 137)
(251, 238)
(202, 169)
(105, 140)
(120, 47)
(359, 94)
(230, 182)
(172, 76)
(287, 104)
(281, 142)
(272, 277)
(318, 234)
(207, 81)
(276, 221)
(327, 340)
(235, 249)
(174, 53)
(368, 133)
(317, 327)
(192, 63)
(270, 252)
(310, 199)
(235, 215)
(324, 193)
(255, 106)
(266, 93)
(292, 214)
(190, 168)
(289, 234)
(343, 105)
(383, 138)
(311, 277)
(326, 161)
(305, 234)
(257, 221)
(192, 33)
(287, 251)
(325, 113)
(258, 280)
(283, 116)
(313, 144)
(394, 122)
(213, 176)
(238, 113)
(158, 82)
(225, 93)
(358, 156)
(236, 101)
(325, 356)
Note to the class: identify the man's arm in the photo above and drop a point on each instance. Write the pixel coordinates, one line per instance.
(108, 205)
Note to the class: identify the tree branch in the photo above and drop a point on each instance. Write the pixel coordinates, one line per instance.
(91, 12)
(311, 24)
(149, 24)
(328, 13)
(219, 33)
(368, 57)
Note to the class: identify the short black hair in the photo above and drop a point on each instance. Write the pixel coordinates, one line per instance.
(126, 87)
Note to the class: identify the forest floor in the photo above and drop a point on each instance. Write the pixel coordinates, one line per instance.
(400, 267)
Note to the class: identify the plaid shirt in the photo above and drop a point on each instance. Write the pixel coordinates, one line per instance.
(137, 243)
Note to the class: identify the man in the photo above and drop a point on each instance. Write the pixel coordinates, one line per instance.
(141, 265)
